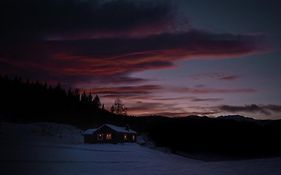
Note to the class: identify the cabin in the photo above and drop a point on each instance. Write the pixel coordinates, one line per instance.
(108, 133)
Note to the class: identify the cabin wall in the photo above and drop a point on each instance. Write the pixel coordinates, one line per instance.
(100, 136)
(116, 137)
(126, 137)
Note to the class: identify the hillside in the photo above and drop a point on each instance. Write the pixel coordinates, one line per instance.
(57, 155)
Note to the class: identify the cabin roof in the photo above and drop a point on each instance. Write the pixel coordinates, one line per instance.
(120, 129)
(113, 127)
(89, 131)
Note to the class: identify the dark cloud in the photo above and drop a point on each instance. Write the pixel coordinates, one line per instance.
(192, 99)
(207, 90)
(206, 99)
(124, 90)
(215, 76)
(129, 97)
(32, 19)
(119, 57)
(119, 80)
(266, 110)
(161, 109)
(229, 77)
(185, 113)
(253, 108)
(274, 108)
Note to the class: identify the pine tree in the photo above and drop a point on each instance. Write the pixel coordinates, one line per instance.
(96, 102)
(90, 99)
(83, 98)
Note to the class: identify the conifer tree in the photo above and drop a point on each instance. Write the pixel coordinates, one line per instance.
(96, 102)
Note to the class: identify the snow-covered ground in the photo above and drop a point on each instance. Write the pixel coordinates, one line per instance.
(40, 133)
(45, 152)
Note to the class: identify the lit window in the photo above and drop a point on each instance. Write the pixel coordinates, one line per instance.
(125, 137)
(133, 137)
(99, 136)
(108, 136)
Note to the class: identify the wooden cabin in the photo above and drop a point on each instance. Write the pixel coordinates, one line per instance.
(108, 133)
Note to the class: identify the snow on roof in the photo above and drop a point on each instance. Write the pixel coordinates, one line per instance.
(115, 128)
(89, 131)
(119, 129)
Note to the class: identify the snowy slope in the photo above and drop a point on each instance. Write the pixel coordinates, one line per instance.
(58, 158)
(40, 133)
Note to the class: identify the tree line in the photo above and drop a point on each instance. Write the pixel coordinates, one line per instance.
(35, 101)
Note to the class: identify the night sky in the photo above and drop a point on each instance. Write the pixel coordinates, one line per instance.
(173, 58)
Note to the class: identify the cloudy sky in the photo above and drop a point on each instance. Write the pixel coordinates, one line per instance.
(172, 58)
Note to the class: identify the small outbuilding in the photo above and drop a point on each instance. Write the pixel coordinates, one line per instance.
(108, 133)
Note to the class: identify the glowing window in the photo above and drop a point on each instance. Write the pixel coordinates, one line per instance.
(99, 136)
(133, 137)
(108, 136)
(125, 137)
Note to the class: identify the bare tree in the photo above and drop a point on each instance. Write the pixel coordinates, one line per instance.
(118, 107)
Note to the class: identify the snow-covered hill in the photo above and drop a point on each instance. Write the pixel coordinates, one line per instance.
(40, 133)
(75, 158)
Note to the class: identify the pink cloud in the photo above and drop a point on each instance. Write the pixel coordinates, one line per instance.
(120, 57)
